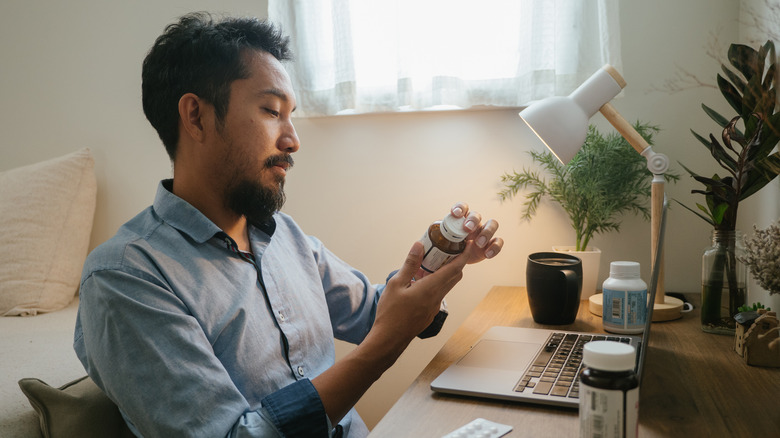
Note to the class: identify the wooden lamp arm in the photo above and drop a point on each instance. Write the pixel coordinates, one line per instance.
(624, 128)
(658, 164)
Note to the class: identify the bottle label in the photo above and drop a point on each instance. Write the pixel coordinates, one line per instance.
(434, 257)
(625, 309)
(608, 413)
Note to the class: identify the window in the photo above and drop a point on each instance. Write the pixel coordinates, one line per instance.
(359, 56)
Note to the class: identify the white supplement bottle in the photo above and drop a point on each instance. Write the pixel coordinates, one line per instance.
(443, 241)
(625, 299)
(609, 391)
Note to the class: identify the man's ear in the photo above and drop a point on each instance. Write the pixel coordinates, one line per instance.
(191, 112)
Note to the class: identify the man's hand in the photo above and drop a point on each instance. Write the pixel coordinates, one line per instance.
(407, 306)
(409, 303)
(412, 297)
(486, 245)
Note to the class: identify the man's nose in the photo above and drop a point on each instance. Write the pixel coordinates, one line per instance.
(289, 141)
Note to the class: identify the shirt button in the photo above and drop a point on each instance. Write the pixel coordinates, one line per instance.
(300, 371)
(281, 316)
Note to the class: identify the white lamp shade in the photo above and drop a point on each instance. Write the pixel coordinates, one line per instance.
(562, 122)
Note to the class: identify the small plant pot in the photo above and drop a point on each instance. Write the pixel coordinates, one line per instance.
(591, 261)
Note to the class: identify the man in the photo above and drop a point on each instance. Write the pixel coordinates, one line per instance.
(211, 313)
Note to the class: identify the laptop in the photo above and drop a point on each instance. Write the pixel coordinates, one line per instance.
(539, 366)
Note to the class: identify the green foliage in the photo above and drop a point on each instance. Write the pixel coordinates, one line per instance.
(605, 180)
(754, 308)
(745, 154)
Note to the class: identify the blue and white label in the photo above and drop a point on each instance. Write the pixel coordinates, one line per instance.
(625, 309)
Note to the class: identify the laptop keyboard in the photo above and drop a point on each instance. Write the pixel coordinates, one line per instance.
(556, 369)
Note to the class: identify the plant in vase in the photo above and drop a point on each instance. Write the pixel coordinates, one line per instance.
(605, 180)
(745, 153)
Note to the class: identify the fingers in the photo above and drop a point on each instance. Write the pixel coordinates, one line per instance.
(486, 233)
(411, 264)
(487, 241)
(483, 235)
(406, 307)
(495, 246)
(460, 209)
(473, 219)
(439, 283)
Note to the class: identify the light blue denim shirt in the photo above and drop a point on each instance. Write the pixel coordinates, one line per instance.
(189, 339)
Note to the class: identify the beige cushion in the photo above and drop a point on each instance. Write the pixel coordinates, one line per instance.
(77, 409)
(46, 213)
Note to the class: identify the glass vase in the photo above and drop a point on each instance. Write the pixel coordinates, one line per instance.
(724, 282)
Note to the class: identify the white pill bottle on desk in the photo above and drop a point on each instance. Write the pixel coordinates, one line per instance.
(625, 299)
(609, 391)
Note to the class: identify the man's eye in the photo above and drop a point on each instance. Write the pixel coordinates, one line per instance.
(272, 112)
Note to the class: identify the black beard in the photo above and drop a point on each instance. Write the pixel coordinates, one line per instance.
(253, 200)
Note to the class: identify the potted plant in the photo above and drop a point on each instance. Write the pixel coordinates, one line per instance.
(744, 150)
(605, 180)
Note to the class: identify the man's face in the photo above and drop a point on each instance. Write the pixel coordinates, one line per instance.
(256, 139)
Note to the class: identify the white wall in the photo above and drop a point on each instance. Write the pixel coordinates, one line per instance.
(366, 185)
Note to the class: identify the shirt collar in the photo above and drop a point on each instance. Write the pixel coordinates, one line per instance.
(181, 215)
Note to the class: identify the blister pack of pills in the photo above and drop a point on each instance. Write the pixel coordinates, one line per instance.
(480, 428)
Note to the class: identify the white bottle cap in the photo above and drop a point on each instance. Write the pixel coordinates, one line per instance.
(624, 269)
(609, 356)
(452, 228)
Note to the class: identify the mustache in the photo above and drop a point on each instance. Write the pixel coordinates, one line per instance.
(280, 159)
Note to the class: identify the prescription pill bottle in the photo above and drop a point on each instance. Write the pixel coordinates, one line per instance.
(443, 241)
(609, 391)
(625, 299)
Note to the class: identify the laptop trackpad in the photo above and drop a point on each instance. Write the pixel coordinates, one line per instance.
(503, 355)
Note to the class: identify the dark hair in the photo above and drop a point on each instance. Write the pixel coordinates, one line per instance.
(202, 56)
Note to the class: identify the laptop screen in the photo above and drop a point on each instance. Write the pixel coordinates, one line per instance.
(652, 291)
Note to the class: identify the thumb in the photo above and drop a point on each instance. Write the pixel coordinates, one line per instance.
(411, 264)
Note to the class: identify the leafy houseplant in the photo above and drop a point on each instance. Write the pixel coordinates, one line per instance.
(745, 155)
(606, 179)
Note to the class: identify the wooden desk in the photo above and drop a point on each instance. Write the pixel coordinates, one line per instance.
(694, 385)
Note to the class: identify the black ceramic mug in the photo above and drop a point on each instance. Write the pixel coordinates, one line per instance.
(554, 284)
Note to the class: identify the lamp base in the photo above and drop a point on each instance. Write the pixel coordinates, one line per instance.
(670, 309)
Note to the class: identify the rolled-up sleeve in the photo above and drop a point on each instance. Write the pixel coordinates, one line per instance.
(297, 410)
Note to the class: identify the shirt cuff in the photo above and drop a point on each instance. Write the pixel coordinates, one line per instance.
(435, 326)
(297, 410)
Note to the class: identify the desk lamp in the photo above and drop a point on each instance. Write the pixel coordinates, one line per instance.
(562, 124)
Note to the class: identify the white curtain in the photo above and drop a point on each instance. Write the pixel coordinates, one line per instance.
(359, 56)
